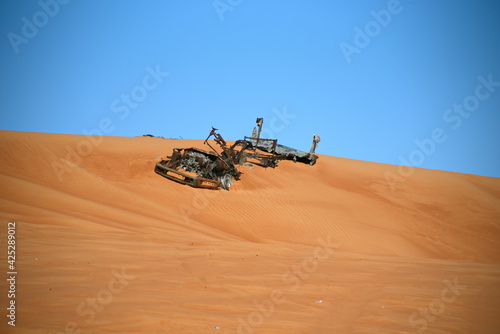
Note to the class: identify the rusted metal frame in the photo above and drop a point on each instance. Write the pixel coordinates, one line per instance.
(194, 181)
(218, 139)
(222, 143)
(257, 140)
(231, 156)
(210, 135)
(264, 160)
(256, 146)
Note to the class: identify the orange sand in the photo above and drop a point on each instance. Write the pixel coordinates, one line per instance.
(108, 246)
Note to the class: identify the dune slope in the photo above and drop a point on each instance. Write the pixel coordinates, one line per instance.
(105, 245)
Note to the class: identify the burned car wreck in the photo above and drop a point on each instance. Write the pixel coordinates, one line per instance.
(218, 168)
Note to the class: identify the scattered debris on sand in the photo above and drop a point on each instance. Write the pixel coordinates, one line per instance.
(203, 169)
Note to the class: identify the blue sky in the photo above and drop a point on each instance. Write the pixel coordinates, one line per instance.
(377, 80)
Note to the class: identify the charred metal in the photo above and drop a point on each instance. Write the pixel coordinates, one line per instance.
(218, 168)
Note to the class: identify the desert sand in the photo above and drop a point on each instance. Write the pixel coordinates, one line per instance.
(105, 245)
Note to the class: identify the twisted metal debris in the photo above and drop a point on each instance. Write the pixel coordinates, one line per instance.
(211, 170)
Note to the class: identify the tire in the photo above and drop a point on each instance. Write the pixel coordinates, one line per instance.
(226, 181)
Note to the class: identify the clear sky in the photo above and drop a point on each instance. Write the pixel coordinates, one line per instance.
(399, 82)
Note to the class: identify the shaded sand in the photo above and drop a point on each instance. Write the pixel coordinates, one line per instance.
(108, 246)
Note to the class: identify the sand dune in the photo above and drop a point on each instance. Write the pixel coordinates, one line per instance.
(105, 245)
